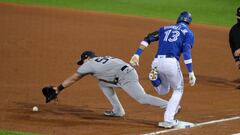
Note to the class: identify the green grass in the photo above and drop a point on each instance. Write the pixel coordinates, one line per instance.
(213, 12)
(15, 133)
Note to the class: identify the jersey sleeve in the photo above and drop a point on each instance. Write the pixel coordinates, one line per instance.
(86, 68)
(151, 37)
(187, 46)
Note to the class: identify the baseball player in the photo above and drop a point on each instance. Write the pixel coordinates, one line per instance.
(173, 40)
(111, 73)
(234, 40)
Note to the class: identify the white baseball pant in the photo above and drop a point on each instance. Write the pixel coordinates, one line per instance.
(170, 74)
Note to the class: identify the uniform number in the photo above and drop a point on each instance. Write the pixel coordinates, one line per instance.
(103, 59)
(173, 37)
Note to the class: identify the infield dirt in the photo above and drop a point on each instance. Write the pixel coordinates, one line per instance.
(40, 46)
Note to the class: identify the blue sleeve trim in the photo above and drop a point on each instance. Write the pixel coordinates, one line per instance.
(189, 67)
(139, 51)
(188, 57)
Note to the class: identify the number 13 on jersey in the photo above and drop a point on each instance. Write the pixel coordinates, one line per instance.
(171, 35)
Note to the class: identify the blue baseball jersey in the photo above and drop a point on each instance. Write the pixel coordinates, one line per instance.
(173, 41)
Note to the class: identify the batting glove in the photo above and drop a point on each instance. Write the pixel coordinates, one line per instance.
(192, 79)
(134, 60)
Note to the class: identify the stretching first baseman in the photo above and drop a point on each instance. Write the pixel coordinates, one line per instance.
(111, 73)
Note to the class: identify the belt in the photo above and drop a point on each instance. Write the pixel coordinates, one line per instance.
(165, 56)
(126, 69)
(115, 81)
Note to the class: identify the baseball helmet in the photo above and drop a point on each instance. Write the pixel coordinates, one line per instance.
(238, 12)
(85, 55)
(185, 17)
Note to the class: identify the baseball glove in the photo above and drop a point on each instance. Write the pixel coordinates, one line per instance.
(49, 93)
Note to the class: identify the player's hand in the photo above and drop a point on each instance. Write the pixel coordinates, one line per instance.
(55, 88)
(192, 79)
(134, 60)
(237, 52)
(49, 93)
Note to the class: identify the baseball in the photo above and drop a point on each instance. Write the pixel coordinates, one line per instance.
(35, 109)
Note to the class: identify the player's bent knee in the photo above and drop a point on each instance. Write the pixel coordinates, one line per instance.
(142, 99)
(162, 91)
(142, 102)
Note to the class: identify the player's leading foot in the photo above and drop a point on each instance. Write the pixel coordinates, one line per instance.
(153, 75)
(112, 114)
(168, 125)
(154, 78)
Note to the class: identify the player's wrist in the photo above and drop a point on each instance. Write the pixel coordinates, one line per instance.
(191, 73)
(60, 88)
(189, 68)
(144, 43)
(138, 52)
(136, 55)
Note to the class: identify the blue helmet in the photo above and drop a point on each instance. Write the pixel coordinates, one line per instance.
(185, 17)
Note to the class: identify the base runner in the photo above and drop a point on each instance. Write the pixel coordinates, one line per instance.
(173, 40)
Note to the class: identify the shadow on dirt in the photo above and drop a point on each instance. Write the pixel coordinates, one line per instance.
(67, 115)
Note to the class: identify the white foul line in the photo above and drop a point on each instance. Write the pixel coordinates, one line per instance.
(195, 125)
(217, 121)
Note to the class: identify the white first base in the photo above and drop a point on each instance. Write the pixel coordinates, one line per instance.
(184, 124)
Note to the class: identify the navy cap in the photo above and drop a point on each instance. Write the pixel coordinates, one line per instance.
(85, 55)
(238, 12)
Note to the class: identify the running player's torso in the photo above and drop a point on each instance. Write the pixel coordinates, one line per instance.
(102, 67)
(171, 39)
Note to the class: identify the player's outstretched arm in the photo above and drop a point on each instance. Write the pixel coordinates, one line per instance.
(147, 40)
(68, 82)
(188, 62)
(51, 92)
(135, 58)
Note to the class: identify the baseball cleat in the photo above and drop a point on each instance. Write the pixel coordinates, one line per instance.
(168, 125)
(111, 114)
(153, 75)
